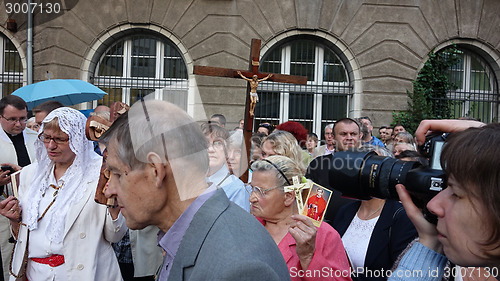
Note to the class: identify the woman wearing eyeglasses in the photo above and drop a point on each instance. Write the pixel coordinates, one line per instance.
(69, 234)
(218, 171)
(310, 253)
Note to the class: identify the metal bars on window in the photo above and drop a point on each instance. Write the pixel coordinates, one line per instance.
(474, 90)
(11, 69)
(323, 100)
(140, 65)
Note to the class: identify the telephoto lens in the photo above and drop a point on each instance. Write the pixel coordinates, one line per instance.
(364, 175)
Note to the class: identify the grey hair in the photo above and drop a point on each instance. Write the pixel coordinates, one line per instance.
(329, 126)
(158, 127)
(284, 164)
(235, 138)
(408, 136)
(103, 114)
(381, 151)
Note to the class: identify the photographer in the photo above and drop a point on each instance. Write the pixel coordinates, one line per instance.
(468, 210)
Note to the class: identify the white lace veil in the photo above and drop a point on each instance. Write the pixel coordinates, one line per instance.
(85, 168)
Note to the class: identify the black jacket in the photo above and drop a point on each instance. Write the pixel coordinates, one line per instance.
(391, 234)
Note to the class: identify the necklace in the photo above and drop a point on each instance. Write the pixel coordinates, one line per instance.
(22, 271)
(370, 215)
(55, 196)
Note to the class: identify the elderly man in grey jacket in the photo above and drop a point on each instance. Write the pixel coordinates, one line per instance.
(158, 160)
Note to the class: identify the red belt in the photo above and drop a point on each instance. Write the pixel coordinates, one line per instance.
(53, 261)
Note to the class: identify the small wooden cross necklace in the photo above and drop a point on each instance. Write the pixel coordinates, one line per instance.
(54, 195)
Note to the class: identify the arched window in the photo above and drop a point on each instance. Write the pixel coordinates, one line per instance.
(474, 90)
(11, 68)
(139, 65)
(323, 100)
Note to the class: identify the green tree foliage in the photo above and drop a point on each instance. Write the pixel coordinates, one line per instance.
(428, 99)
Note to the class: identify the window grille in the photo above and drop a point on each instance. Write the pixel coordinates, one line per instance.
(11, 68)
(323, 100)
(474, 90)
(140, 65)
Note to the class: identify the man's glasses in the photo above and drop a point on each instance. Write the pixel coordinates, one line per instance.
(21, 120)
(107, 174)
(46, 139)
(258, 190)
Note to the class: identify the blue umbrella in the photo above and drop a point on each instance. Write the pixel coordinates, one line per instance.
(66, 91)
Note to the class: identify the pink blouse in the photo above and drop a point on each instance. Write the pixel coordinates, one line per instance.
(328, 263)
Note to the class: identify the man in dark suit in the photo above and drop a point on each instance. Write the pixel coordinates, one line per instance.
(158, 160)
(346, 134)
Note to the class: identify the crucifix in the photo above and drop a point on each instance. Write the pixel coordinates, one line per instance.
(253, 77)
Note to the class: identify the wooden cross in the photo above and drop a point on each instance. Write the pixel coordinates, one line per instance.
(253, 70)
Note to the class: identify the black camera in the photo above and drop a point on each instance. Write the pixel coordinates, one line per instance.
(362, 174)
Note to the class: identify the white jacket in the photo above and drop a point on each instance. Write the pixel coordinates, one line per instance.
(8, 155)
(89, 231)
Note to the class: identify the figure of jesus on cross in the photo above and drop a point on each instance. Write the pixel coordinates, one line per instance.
(254, 82)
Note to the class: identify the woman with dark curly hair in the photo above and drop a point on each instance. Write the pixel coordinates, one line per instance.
(468, 209)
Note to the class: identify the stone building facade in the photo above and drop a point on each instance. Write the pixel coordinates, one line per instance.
(381, 45)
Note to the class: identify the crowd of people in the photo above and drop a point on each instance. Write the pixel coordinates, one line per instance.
(182, 212)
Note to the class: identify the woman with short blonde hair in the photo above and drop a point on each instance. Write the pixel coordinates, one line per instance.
(285, 144)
